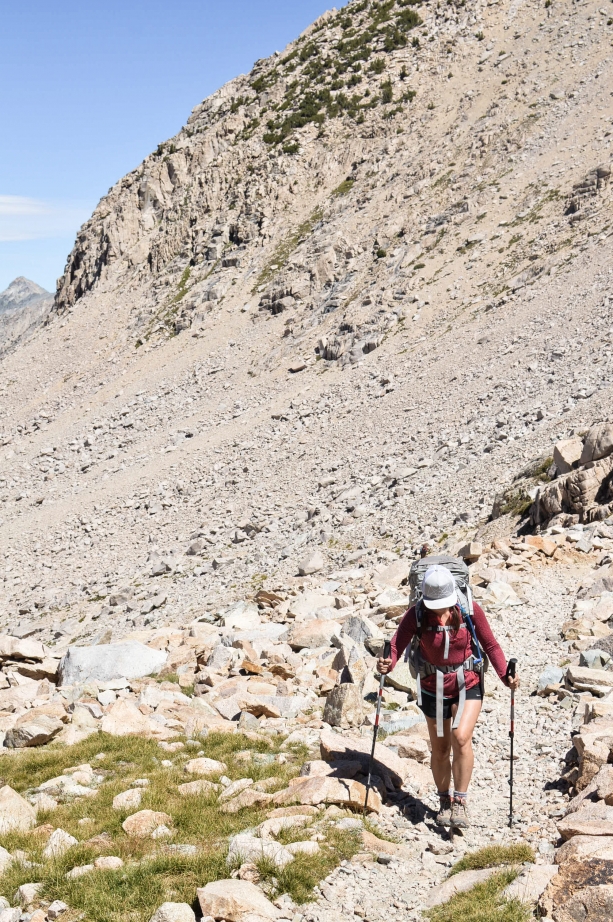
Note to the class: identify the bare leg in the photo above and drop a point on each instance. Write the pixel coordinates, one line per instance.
(440, 761)
(462, 745)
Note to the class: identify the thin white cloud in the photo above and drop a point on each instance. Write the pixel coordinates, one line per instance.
(24, 218)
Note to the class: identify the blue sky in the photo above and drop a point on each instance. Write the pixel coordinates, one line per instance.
(88, 89)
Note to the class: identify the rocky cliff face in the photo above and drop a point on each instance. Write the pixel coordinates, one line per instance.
(24, 305)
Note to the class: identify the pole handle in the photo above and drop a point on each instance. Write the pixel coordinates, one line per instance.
(387, 649)
(511, 667)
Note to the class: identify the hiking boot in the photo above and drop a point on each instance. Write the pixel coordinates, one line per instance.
(459, 815)
(443, 817)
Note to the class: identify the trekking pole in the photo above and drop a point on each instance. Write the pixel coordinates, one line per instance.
(387, 650)
(511, 675)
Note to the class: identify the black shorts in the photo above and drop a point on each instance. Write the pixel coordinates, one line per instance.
(428, 705)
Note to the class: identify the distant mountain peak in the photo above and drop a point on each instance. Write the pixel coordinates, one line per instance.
(21, 292)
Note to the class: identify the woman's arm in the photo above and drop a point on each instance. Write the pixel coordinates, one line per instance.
(403, 636)
(489, 643)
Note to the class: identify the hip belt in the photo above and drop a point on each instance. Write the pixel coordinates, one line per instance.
(426, 669)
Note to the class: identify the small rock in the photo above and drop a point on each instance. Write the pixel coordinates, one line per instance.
(459, 883)
(594, 659)
(193, 788)
(103, 662)
(566, 455)
(245, 847)
(312, 563)
(531, 883)
(80, 871)
(43, 802)
(204, 766)
(59, 843)
(10, 915)
(108, 863)
(551, 675)
(471, 552)
(26, 894)
(128, 800)
(15, 812)
(303, 848)
(142, 824)
(35, 732)
(5, 860)
(56, 909)
(248, 871)
(344, 706)
(173, 912)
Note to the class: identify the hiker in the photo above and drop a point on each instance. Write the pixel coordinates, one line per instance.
(449, 684)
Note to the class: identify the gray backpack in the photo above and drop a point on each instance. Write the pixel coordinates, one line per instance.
(455, 565)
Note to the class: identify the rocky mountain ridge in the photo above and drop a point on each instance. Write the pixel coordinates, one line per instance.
(395, 317)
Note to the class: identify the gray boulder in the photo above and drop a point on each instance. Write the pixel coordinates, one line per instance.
(104, 662)
(344, 707)
(551, 675)
(598, 443)
(594, 659)
(362, 630)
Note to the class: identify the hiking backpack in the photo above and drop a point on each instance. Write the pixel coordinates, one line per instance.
(478, 662)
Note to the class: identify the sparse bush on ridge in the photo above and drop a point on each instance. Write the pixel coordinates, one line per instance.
(309, 99)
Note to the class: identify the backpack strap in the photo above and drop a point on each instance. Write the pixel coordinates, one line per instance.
(419, 617)
(419, 612)
(478, 655)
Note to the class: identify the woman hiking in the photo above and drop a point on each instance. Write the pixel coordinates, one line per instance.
(449, 684)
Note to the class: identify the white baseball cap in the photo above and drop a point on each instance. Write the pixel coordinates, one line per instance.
(438, 588)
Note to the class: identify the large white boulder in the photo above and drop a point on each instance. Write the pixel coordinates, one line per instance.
(242, 616)
(104, 662)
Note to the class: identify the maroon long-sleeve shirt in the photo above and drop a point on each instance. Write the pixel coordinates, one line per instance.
(433, 648)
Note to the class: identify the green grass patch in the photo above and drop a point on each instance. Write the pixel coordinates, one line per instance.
(515, 502)
(152, 874)
(541, 472)
(299, 877)
(493, 855)
(483, 903)
(345, 187)
(182, 288)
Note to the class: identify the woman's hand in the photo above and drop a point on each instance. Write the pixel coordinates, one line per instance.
(513, 682)
(384, 666)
